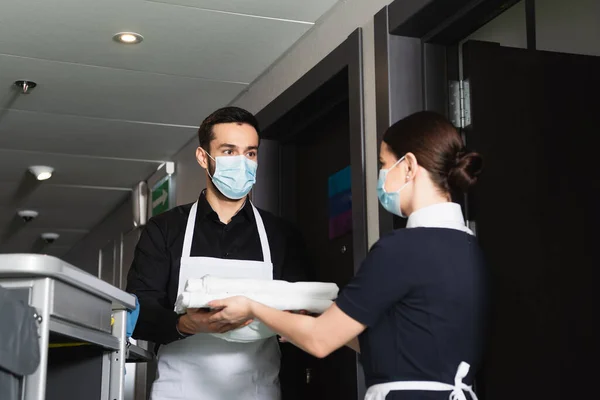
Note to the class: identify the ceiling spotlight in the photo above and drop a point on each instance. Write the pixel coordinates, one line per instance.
(41, 172)
(27, 215)
(128, 37)
(50, 237)
(25, 86)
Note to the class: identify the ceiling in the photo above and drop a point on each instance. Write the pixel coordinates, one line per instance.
(106, 115)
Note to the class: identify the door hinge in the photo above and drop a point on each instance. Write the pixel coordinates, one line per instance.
(460, 103)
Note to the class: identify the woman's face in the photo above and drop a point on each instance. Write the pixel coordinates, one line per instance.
(396, 177)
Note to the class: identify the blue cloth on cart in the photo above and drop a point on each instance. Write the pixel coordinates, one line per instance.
(132, 317)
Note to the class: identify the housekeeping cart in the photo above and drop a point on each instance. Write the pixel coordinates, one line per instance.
(82, 329)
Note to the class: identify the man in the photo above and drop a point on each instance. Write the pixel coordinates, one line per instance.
(221, 234)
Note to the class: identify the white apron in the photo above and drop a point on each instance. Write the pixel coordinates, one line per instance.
(205, 367)
(379, 392)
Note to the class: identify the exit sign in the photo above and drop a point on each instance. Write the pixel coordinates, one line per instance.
(160, 197)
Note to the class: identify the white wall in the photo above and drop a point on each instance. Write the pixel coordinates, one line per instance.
(190, 178)
(329, 32)
(508, 28)
(568, 26)
(85, 253)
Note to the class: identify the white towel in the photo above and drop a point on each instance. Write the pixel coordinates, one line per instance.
(215, 285)
(314, 297)
(251, 333)
(285, 303)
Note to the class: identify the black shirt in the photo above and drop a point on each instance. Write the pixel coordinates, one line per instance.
(422, 294)
(154, 274)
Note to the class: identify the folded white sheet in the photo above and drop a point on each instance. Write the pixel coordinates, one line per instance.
(215, 285)
(256, 330)
(285, 303)
(314, 297)
(251, 333)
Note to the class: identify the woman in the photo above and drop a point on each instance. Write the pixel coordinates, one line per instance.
(417, 304)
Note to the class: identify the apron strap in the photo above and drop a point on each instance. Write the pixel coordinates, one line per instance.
(191, 223)
(262, 233)
(380, 392)
(189, 232)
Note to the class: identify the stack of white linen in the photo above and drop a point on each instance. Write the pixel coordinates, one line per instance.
(314, 297)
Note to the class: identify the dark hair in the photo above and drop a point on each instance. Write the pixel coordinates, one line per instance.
(224, 115)
(439, 149)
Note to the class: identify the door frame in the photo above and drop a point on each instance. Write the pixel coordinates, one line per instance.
(417, 54)
(346, 57)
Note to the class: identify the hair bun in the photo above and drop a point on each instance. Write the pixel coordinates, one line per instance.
(465, 172)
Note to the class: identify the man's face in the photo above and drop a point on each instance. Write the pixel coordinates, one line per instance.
(231, 139)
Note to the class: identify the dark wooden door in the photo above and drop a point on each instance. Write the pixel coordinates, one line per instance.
(535, 121)
(308, 160)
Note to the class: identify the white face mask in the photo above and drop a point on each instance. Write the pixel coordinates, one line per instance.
(234, 176)
(390, 200)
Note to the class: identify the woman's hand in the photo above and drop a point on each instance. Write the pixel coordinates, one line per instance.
(233, 310)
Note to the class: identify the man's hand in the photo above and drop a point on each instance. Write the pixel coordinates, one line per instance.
(197, 320)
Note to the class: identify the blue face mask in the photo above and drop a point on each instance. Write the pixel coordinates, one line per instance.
(389, 200)
(234, 175)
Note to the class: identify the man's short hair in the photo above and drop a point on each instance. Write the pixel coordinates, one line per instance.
(224, 115)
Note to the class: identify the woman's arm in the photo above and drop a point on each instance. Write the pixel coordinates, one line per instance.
(318, 336)
(353, 343)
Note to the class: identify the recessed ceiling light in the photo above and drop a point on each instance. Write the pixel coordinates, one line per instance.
(41, 172)
(128, 37)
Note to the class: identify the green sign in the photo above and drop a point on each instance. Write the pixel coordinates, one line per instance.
(160, 198)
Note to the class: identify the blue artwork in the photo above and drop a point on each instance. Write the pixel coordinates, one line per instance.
(340, 203)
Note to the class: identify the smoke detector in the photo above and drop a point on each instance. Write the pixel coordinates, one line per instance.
(50, 237)
(27, 215)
